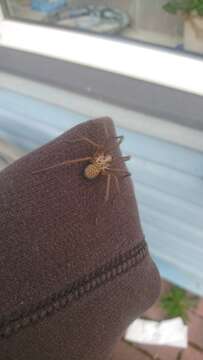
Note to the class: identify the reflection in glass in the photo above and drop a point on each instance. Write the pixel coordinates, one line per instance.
(175, 24)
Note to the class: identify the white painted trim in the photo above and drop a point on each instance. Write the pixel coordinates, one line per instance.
(1, 15)
(138, 61)
(128, 119)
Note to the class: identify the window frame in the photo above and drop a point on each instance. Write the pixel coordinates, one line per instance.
(128, 58)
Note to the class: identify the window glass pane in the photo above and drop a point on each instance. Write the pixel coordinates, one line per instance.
(177, 24)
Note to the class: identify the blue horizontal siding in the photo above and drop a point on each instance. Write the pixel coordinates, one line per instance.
(54, 119)
(168, 181)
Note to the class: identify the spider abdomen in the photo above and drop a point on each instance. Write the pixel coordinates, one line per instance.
(92, 171)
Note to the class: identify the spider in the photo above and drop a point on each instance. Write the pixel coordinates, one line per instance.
(99, 163)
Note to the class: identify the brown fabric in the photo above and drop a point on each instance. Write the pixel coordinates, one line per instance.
(74, 271)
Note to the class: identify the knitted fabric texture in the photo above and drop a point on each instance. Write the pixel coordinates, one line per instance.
(74, 270)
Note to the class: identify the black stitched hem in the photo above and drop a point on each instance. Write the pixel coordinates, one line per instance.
(116, 267)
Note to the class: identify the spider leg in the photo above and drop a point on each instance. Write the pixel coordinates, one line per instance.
(106, 130)
(117, 183)
(67, 162)
(83, 138)
(128, 174)
(119, 171)
(114, 146)
(124, 158)
(107, 187)
(121, 137)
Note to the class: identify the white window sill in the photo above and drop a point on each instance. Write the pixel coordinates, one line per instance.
(124, 57)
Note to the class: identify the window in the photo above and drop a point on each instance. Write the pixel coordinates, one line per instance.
(119, 41)
(174, 24)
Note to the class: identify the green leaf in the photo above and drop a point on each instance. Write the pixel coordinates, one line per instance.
(200, 9)
(170, 8)
(185, 6)
(176, 303)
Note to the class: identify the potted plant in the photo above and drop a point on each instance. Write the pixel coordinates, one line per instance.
(192, 11)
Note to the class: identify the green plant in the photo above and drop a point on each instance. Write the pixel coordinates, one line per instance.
(184, 6)
(176, 303)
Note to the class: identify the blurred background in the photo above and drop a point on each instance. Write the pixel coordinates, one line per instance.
(175, 24)
(140, 62)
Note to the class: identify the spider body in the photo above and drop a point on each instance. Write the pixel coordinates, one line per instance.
(99, 163)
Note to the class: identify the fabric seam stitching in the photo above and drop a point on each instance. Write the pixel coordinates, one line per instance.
(104, 274)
